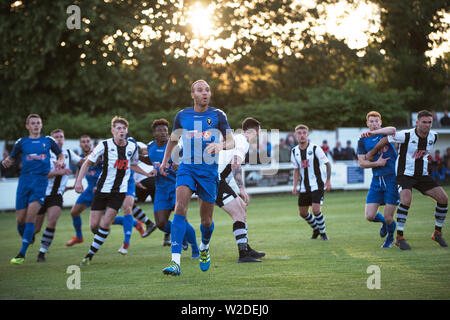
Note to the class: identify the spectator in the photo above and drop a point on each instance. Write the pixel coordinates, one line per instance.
(447, 158)
(447, 163)
(436, 123)
(264, 149)
(291, 141)
(12, 171)
(284, 154)
(338, 152)
(445, 120)
(325, 147)
(349, 152)
(437, 167)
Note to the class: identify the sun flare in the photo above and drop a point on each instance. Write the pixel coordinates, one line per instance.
(200, 20)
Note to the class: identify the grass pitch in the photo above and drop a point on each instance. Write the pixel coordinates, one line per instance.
(295, 267)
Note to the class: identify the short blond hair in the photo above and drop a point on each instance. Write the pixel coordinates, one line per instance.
(56, 131)
(195, 82)
(32, 115)
(301, 126)
(373, 114)
(118, 119)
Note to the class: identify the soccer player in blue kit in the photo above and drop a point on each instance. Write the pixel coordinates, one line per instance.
(34, 151)
(84, 200)
(383, 189)
(200, 127)
(165, 186)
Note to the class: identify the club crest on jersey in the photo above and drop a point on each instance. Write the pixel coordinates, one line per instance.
(309, 153)
(209, 121)
(129, 153)
(430, 142)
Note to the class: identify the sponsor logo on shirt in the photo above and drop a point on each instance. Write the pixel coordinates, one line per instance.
(194, 134)
(419, 154)
(34, 156)
(121, 164)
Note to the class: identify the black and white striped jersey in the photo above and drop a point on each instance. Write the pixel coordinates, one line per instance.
(309, 162)
(226, 157)
(57, 184)
(116, 164)
(413, 152)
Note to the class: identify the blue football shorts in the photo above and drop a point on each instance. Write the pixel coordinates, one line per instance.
(383, 190)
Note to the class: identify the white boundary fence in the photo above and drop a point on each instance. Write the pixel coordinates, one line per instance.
(259, 179)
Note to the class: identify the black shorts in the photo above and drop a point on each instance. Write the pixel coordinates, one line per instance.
(112, 200)
(225, 194)
(142, 194)
(51, 201)
(305, 199)
(421, 183)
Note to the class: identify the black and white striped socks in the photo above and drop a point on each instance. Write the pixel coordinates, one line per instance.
(46, 240)
(240, 233)
(311, 221)
(402, 215)
(99, 238)
(320, 221)
(440, 214)
(140, 215)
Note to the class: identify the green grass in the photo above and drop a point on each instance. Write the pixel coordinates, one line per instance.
(295, 267)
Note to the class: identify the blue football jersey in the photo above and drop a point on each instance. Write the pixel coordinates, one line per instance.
(35, 154)
(93, 173)
(198, 129)
(156, 156)
(367, 144)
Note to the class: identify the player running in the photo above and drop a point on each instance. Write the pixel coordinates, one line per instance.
(145, 186)
(200, 128)
(119, 157)
(34, 151)
(383, 188)
(230, 162)
(412, 172)
(57, 182)
(84, 200)
(127, 220)
(307, 159)
(165, 186)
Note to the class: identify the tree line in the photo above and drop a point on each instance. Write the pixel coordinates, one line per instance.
(138, 59)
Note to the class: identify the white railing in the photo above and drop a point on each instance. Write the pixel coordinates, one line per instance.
(259, 179)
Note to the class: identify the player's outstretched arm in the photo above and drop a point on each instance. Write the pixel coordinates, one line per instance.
(371, 154)
(328, 182)
(7, 162)
(296, 178)
(83, 170)
(366, 164)
(236, 169)
(384, 131)
(173, 142)
(137, 169)
(61, 159)
(227, 144)
(60, 172)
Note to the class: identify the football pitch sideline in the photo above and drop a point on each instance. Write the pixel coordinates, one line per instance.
(295, 267)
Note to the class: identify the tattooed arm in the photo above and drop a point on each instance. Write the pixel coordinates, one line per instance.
(237, 174)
